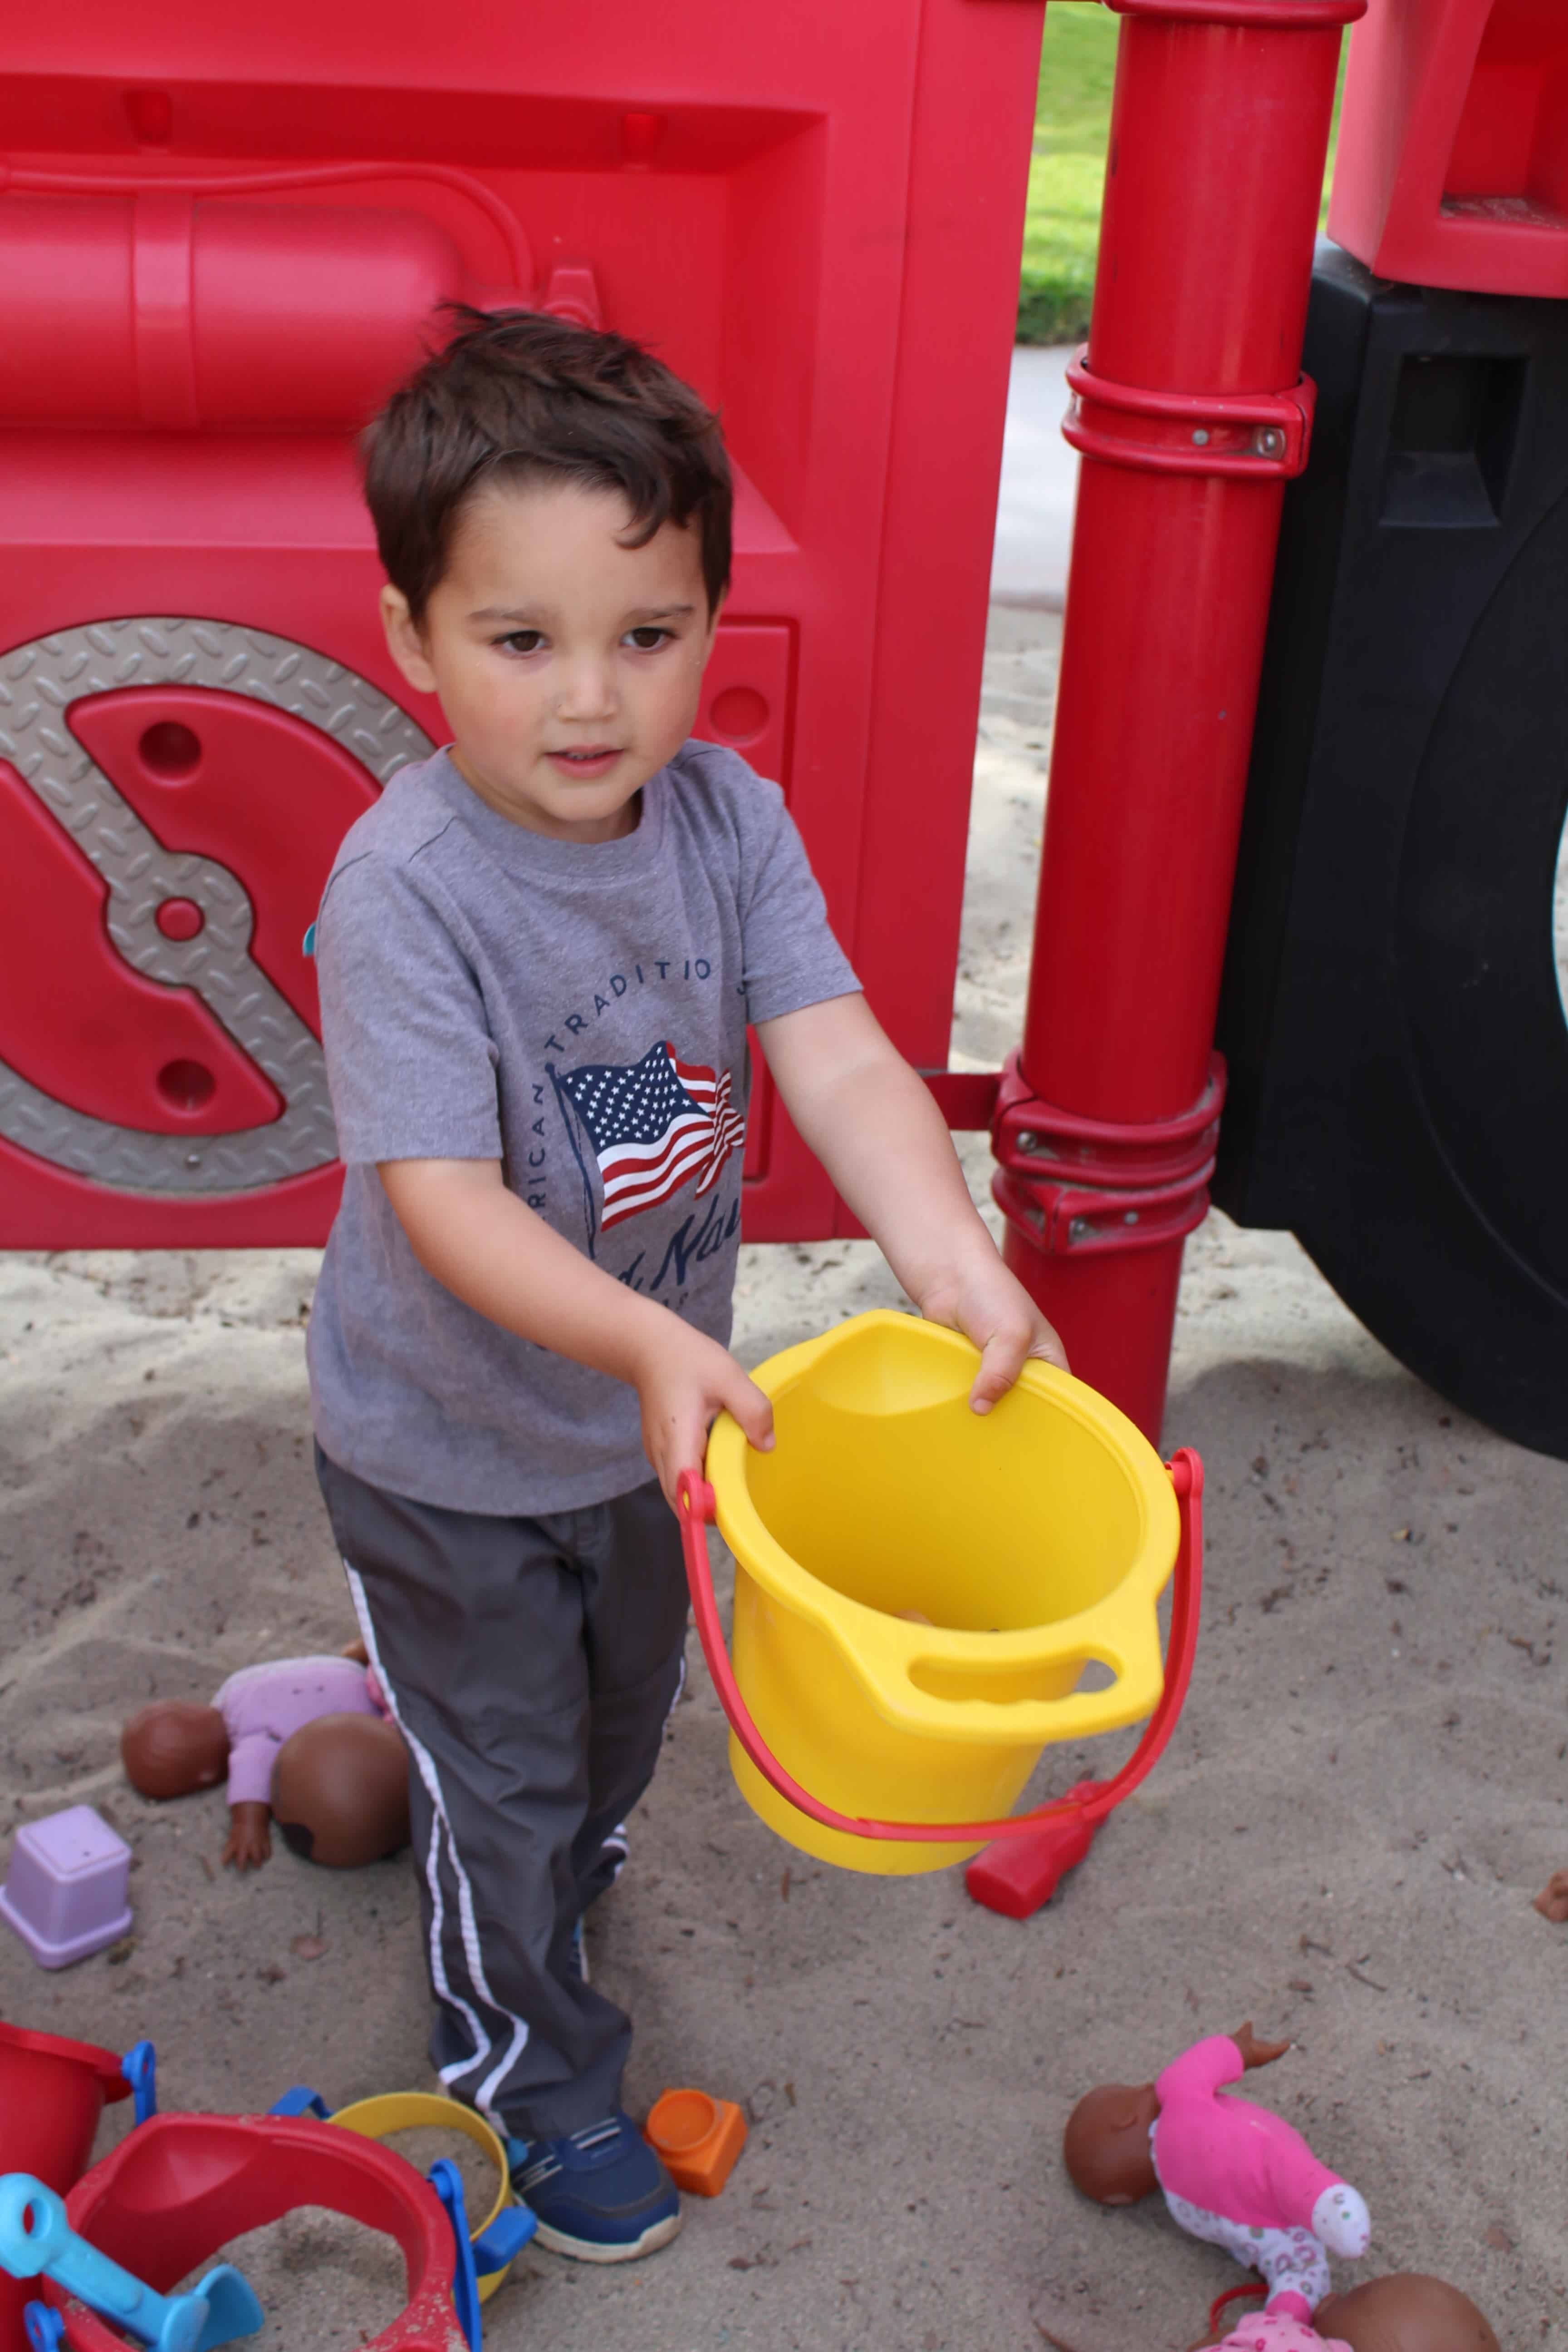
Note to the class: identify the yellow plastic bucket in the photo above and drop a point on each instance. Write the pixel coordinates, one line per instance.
(919, 1590)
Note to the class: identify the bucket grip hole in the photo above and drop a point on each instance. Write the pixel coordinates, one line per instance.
(1016, 1685)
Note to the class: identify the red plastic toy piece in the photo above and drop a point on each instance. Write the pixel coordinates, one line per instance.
(1453, 157)
(1190, 415)
(181, 2186)
(52, 2093)
(1018, 1875)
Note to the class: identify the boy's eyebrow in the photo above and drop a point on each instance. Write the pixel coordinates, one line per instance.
(638, 618)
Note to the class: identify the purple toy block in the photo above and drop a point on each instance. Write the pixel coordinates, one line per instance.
(65, 1895)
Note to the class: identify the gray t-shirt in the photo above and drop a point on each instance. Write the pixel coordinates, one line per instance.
(577, 1012)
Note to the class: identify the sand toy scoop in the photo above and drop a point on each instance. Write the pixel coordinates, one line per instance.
(926, 1597)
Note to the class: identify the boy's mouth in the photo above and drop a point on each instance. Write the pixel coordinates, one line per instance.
(592, 761)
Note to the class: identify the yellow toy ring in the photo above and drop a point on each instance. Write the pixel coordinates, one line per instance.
(396, 2111)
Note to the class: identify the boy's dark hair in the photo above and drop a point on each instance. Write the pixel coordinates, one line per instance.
(516, 397)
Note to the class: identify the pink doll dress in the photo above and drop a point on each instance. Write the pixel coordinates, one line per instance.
(1278, 2331)
(262, 1706)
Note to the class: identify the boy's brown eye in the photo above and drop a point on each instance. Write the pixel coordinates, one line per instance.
(524, 641)
(647, 640)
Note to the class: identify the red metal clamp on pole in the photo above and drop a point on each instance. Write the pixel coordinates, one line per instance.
(1189, 413)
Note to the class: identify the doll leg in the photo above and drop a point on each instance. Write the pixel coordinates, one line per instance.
(1293, 2263)
(1290, 2261)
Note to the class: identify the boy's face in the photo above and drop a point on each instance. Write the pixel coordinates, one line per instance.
(568, 665)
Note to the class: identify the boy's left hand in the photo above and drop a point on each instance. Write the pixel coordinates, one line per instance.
(991, 1309)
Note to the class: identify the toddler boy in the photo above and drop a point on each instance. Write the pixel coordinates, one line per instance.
(538, 956)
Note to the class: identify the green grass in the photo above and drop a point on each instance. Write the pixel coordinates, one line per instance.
(1061, 227)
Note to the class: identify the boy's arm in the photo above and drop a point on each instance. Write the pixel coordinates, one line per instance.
(872, 1123)
(492, 1251)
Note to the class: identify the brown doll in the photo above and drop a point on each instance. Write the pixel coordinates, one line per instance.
(1402, 2313)
(174, 1749)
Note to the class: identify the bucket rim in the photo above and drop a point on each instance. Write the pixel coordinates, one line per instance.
(1120, 1631)
(101, 2063)
(387, 2111)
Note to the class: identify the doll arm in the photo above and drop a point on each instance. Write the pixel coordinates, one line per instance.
(1217, 2060)
(250, 1762)
(1200, 2071)
(249, 1838)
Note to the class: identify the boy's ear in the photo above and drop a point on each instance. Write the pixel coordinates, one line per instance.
(405, 642)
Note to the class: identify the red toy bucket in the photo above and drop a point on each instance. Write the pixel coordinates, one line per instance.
(181, 2186)
(52, 2093)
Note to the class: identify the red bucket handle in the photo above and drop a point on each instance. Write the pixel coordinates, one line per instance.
(696, 1499)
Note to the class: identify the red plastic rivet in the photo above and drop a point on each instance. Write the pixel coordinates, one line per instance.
(170, 750)
(186, 1086)
(150, 113)
(739, 715)
(641, 137)
(179, 918)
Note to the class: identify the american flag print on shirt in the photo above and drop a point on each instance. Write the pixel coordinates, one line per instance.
(652, 1126)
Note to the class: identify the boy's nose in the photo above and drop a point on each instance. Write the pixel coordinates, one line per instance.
(587, 690)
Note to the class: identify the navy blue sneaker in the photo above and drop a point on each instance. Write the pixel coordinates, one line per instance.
(600, 2194)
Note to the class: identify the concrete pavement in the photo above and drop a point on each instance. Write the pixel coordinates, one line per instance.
(1039, 483)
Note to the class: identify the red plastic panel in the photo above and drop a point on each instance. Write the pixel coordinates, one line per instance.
(822, 235)
(46, 1207)
(76, 1021)
(1453, 154)
(746, 695)
(264, 794)
(164, 310)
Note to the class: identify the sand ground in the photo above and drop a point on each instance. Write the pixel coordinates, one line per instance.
(1342, 1842)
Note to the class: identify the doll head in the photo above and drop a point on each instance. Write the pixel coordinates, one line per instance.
(340, 1790)
(1405, 2313)
(171, 1749)
(1106, 2143)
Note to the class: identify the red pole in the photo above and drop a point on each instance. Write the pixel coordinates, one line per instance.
(1190, 413)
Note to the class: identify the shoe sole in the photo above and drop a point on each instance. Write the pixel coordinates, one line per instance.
(591, 2250)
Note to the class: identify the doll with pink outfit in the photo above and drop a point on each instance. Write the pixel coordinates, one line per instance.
(1231, 2173)
(174, 1749)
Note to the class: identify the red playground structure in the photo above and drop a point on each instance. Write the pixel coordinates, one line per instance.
(217, 253)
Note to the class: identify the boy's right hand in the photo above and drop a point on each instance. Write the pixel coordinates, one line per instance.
(684, 1381)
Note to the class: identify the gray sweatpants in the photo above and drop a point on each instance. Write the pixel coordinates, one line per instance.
(530, 1665)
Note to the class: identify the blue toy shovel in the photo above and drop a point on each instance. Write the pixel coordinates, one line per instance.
(34, 2236)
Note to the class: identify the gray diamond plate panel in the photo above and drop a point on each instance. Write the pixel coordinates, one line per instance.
(39, 684)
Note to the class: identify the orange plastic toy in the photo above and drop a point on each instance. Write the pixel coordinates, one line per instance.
(699, 2138)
